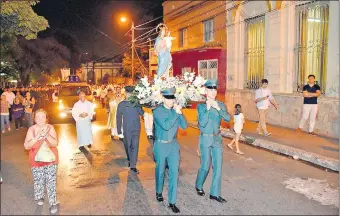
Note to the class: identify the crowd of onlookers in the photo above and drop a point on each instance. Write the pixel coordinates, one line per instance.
(19, 104)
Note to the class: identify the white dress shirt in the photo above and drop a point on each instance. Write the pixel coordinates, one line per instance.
(263, 92)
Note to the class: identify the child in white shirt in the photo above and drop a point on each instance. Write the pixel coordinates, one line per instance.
(238, 126)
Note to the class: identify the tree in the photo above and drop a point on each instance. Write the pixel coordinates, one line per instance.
(140, 65)
(40, 55)
(18, 18)
(70, 41)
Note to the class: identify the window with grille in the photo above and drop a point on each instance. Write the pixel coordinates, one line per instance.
(183, 37)
(254, 52)
(208, 29)
(208, 68)
(311, 43)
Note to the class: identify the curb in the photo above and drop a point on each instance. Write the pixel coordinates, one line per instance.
(310, 157)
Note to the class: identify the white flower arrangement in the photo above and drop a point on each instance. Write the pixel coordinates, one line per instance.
(188, 88)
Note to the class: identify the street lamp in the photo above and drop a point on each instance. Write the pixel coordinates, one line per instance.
(124, 19)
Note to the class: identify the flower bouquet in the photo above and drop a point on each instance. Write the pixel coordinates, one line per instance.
(188, 88)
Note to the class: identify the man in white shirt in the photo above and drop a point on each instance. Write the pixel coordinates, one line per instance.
(10, 96)
(103, 94)
(263, 99)
(82, 112)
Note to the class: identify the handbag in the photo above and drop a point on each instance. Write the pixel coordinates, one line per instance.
(44, 154)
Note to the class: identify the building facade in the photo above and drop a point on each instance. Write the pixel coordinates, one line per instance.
(100, 72)
(284, 42)
(200, 44)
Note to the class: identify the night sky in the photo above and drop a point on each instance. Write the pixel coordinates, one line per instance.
(102, 14)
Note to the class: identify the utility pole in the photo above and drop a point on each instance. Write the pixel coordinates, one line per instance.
(150, 54)
(133, 52)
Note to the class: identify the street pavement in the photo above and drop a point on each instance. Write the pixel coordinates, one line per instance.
(98, 182)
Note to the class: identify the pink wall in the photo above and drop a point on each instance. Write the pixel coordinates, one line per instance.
(190, 59)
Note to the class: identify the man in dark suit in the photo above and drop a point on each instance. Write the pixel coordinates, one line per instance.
(128, 114)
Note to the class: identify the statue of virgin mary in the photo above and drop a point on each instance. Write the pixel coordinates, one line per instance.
(162, 49)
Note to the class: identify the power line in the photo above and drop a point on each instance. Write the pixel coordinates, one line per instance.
(106, 56)
(109, 53)
(90, 24)
(149, 21)
(203, 13)
(141, 61)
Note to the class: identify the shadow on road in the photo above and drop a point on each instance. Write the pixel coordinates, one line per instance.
(87, 154)
(136, 200)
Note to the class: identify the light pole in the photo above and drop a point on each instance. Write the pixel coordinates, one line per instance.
(133, 52)
(123, 19)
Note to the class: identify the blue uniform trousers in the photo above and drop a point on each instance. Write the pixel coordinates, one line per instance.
(167, 154)
(210, 153)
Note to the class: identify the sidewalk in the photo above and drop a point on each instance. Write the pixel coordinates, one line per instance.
(320, 151)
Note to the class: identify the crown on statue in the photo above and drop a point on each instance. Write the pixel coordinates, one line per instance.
(160, 27)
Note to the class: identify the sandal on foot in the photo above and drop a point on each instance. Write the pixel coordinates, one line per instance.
(54, 209)
(239, 152)
(40, 202)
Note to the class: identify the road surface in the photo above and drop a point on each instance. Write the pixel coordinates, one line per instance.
(98, 182)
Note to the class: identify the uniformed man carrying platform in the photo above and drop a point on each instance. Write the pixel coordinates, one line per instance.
(129, 114)
(210, 141)
(168, 118)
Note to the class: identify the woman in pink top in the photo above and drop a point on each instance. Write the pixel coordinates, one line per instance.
(44, 173)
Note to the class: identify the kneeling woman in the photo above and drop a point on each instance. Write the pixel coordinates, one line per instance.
(41, 142)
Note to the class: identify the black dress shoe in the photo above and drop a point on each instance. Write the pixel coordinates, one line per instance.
(159, 197)
(218, 199)
(81, 148)
(134, 170)
(150, 137)
(174, 208)
(89, 146)
(200, 192)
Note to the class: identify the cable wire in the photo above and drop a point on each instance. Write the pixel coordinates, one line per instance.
(90, 24)
(141, 61)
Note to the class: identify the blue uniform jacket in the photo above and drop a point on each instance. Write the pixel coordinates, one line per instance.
(167, 123)
(209, 122)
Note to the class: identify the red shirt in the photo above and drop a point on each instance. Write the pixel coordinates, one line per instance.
(35, 148)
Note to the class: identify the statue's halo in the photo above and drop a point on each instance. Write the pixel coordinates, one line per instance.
(160, 27)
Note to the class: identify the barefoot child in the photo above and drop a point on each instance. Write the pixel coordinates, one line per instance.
(238, 126)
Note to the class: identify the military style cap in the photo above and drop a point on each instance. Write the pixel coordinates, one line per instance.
(129, 88)
(211, 84)
(169, 93)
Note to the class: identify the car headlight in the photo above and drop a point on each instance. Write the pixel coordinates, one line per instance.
(61, 106)
(63, 115)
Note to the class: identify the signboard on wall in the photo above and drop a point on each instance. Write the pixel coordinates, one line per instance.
(65, 72)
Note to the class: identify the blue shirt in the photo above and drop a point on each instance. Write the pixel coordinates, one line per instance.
(209, 121)
(313, 89)
(167, 122)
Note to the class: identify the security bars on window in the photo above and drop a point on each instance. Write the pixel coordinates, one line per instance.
(254, 52)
